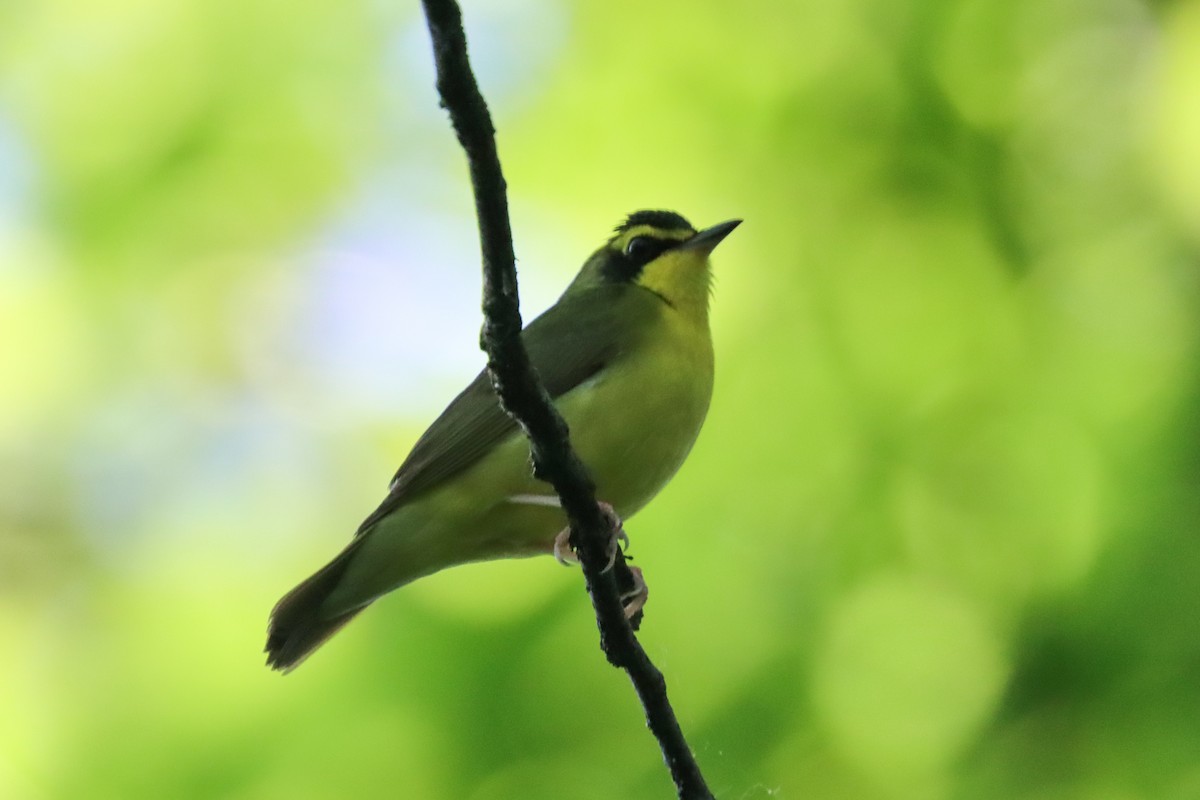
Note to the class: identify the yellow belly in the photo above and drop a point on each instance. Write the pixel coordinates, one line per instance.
(633, 426)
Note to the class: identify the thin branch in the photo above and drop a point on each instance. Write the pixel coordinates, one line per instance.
(523, 396)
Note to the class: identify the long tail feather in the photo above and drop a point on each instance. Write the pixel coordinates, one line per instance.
(297, 626)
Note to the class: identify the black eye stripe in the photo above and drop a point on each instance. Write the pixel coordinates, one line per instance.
(641, 250)
(626, 264)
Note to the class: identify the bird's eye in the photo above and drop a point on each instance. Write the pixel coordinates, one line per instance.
(644, 248)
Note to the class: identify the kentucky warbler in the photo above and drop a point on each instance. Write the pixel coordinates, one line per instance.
(627, 355)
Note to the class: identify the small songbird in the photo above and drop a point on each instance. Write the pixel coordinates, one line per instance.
(626, 354)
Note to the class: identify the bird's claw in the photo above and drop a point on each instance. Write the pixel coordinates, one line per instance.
(634, 598)
(618, 541)
(563, 553)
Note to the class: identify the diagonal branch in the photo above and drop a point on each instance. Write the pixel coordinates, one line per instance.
(523, 396)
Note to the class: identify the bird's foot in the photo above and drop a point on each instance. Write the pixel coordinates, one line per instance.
(562, 542)
(634, 597)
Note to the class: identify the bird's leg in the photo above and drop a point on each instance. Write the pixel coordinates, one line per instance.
(562, 542)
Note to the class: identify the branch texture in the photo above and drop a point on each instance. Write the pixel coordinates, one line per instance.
(525, 399)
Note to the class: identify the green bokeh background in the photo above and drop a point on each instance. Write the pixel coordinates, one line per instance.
(938, 539)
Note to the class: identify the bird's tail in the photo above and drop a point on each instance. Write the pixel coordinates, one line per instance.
(297, 627)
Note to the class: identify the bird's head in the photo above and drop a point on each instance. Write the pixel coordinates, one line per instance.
(660, 252)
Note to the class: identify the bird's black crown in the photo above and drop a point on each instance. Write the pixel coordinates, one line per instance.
(663, 220)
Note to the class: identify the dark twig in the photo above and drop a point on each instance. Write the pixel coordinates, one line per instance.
(523, 396)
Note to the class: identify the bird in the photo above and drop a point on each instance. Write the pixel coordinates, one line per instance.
(626, 354)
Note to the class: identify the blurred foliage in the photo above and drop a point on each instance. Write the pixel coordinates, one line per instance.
(941, 527)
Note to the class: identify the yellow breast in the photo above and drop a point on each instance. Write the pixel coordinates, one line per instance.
(634, 424)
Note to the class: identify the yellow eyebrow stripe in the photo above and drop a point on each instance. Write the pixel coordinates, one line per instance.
(677, 235)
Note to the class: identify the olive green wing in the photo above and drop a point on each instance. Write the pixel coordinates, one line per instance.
(568, 344)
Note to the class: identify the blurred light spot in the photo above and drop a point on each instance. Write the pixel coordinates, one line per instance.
(1080, 103)
(189, 471)
(978, 61)
(512, 45)
(24, 250)
(922, 309)
(1175, 136)
(44, 359)
(128, 72)
(174, 126)
(390, 316)
(1116, 322)
(17, 174)
(32, 726)
(382, 318)
(1001, 502)
(907, 676)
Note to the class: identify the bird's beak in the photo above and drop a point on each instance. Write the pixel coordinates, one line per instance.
(709, 238)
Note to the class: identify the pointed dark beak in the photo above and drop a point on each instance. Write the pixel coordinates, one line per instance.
(709, 238)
